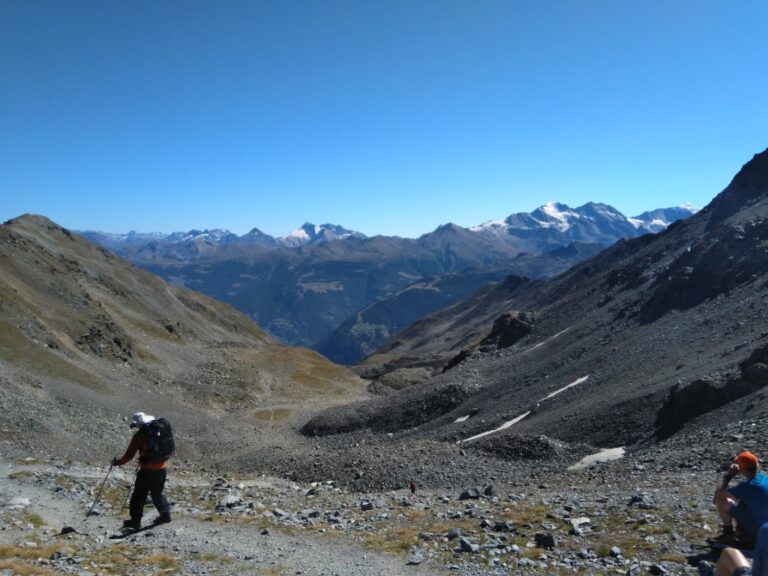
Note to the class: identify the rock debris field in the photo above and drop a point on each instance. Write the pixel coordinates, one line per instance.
(646, 513)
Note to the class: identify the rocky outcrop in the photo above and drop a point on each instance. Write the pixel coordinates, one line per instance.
(686, 402)
(732, 256)
(508, 329)
(755, 368)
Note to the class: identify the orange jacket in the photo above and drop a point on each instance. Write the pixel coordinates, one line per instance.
(139, 444)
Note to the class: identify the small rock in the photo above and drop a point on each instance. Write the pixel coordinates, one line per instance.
(545, 541)
(415, 558)
(470, 494)
(468, 546)
(230, 501)
(642, 501)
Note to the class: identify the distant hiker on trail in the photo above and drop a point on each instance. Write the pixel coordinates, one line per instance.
(154, 442)
(746, 503)
(412, 486)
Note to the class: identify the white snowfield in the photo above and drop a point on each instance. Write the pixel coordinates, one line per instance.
(603, 456)
(571, 385)
(545, 341)
(495, 226)
(561, 219)
(502, 427)
(517, 419)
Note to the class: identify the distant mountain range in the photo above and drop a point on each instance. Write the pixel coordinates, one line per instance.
(304, 286)
(548, 226)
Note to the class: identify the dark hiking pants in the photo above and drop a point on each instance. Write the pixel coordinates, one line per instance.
(149, 482)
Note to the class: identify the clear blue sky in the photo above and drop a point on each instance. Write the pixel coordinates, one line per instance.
(388, 117)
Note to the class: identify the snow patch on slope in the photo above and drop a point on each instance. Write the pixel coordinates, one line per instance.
(517, 419)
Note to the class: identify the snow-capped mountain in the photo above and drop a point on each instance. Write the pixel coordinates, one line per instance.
(216, 236)
(556, 223)
(546, 228)
(657, 220)
(316, 234)
(308, 234)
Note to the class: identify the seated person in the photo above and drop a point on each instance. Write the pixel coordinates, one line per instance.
(746, 503)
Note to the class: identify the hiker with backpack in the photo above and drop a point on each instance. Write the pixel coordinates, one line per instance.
(746, 503)
(153, 441)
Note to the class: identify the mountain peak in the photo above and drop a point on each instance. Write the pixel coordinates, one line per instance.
(654, 221)
(750, 185)
(316, 234)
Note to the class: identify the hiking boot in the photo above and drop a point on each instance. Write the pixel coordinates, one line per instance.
(725, 539)
(163, 518)
(131, 524)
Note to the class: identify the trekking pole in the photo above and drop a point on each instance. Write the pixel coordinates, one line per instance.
(125, 502)
(99, 492)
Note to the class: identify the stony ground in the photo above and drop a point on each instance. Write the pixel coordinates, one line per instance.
(648, 513)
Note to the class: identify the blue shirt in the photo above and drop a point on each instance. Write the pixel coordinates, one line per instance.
(754, 495)
(760, 559)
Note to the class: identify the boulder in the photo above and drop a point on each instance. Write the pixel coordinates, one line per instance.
(508, 329)
(19, 502)
(454, 533)
(470, 494)
(415, 558)
(468, 546)
(230, 501)
(545, 541)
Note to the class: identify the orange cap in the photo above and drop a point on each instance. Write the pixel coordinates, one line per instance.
(747, 462)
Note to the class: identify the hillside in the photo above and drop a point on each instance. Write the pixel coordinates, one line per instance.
(623, 348)
(87, 338)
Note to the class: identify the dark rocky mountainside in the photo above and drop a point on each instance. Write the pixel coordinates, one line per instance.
(315, 286)
(622, 348)
(86, 337)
